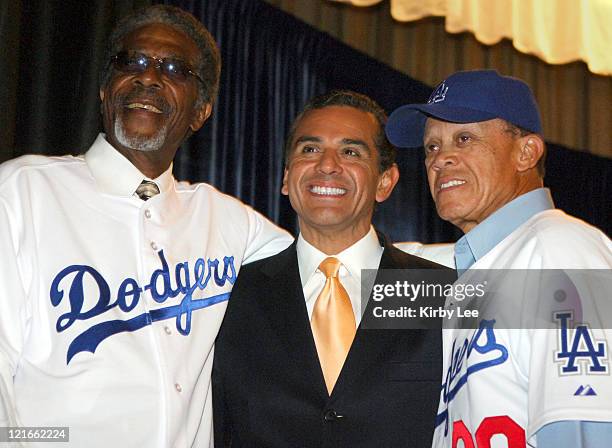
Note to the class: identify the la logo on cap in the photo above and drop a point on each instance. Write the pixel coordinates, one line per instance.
(439, 94)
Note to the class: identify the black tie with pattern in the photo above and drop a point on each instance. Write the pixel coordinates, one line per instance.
(147, 189)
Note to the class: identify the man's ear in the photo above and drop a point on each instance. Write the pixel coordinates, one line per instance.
(101, 93)
(201, 116)
(386, 183)
(284, 188)
(531, 149)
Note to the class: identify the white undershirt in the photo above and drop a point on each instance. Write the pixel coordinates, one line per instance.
(364, 254)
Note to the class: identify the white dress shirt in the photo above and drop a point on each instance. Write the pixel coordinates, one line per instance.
(364, 254)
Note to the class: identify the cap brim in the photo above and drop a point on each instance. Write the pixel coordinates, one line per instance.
(406, 124)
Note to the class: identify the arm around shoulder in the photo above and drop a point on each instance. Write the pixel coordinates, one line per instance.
(443, 253)
(265, 238)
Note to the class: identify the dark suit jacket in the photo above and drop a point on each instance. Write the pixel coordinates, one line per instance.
(268, 387)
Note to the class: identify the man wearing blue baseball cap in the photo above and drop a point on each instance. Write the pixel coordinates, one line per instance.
(484, 156)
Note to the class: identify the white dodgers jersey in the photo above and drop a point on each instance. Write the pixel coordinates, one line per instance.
(499, 385)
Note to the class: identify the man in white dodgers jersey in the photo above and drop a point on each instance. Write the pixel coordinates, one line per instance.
(485, 164)
(112, 289)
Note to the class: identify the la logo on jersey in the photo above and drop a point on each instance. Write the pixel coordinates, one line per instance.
(579, 352)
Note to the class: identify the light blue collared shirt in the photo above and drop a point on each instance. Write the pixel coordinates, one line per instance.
(489, 233)
(477, 243)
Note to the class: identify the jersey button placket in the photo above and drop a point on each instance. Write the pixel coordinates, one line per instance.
(149, 218)
(148, 224)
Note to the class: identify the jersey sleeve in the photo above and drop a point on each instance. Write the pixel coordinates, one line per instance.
(265, 238)
(574, 434)
(14, 314)
(569, 365)
(443, 253)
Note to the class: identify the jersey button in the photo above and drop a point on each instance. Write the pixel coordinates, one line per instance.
(178, 387)
(167, 330)
(147, 213)
(153, 245)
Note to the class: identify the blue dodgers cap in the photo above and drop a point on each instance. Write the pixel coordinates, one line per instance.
(467, 97)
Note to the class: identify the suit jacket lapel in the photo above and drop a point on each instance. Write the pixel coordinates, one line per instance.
(285, 308)
(368, 346)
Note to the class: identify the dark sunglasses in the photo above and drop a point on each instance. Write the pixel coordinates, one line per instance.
(133, 62)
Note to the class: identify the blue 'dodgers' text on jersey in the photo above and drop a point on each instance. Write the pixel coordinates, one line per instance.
(161, 286)
(481, 352)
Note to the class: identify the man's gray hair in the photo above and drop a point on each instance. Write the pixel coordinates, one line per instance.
(208, 65)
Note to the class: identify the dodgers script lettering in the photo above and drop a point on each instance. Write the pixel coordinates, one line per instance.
(480, 352)
(162, 287)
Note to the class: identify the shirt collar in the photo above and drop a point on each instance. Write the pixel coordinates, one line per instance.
(364, 254)
(116, 175)
(485, 236)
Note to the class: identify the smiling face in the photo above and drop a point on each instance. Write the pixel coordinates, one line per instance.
(332, 175)
(149, 112)
(475, 168)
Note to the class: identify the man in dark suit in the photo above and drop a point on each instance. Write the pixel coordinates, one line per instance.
(293, 367)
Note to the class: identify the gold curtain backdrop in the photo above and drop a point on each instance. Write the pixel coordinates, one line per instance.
(576, 104)
(557, 31)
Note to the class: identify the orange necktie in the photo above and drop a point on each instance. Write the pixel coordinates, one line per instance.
(333, 323)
